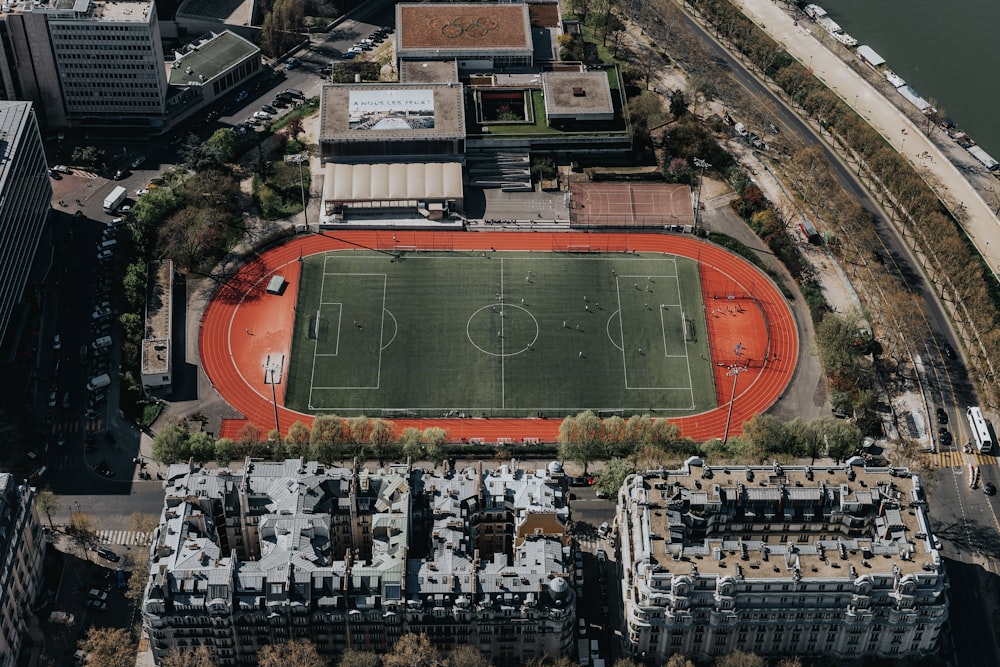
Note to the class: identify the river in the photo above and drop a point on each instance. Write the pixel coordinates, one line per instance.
(945, 50)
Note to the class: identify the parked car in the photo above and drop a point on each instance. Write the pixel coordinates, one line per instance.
(267, 108)
(141, 191)
(261, 115)
(105, 255)
(108, 554)
(242, 95)
(292, 63)
(97, 594)
(942, 416)
(57, 342)
(98, 605)
(61, 617)
(53, 399)
(138, 162)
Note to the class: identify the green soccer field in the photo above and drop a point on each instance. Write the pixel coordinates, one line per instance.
(507, 335)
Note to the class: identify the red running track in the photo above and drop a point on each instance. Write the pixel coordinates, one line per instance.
(240, 327)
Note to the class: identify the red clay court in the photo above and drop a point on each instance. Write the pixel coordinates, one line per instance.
(630, 205)
(240, 328)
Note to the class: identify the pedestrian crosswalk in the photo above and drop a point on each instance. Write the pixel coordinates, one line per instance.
(123, 537)
(956, 458)
(74, 426)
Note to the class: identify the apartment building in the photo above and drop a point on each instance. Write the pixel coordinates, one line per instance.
(22, 552)
(25, 201)
(838, 561)
(349, 558)
(86, 63)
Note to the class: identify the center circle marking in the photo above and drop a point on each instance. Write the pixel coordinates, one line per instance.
(501, 308)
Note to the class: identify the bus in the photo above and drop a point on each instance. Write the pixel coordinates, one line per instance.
(980, 429)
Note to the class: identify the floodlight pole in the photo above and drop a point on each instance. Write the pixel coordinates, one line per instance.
(698, 162)
(735, 371)
(274, 401)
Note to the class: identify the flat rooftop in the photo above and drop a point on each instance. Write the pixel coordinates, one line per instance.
(773, 522)
(229, 12)
(391, 112)
(578, 94)
(123, 11)
(446, 29)
(156, 341)
(428, 71)
(202, 61)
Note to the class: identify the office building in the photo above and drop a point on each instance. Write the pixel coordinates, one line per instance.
(349, 558)
(834, 561)
(25, 201)
(22, 552)
(85, 63)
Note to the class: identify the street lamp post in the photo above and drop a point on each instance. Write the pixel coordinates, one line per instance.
(698, 162)
(302, 188)
(735, 371)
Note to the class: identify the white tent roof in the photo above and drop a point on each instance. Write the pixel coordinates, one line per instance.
(372, 182)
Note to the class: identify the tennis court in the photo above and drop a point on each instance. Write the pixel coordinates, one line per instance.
(630, 205)
(499, 334)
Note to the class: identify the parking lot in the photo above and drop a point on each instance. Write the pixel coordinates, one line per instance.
(85, 590)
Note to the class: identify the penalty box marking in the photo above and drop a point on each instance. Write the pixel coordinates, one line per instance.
(313, 387)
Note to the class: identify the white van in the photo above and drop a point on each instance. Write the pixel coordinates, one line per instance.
(101, 343)
(99, 382)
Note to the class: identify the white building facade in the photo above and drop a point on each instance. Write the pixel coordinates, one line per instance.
(800, 561)
(87, 63)
(352, 559)
(22, 555)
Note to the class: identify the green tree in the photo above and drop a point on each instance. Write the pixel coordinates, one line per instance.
(202, 447)
(81, 527)
(353, 658)
(225, 144)
(412, 442)
(842, 437)
(678, 660)
(134, 284)
(412, 651)
(199, 656)
(740, 659)
(467, 656)
(610, 480)
(110, 647)
(678, 104)
(278, 31)
(47, 502)
(767, 435)
(381, 436)
(300, 653)
(171, 445)
(434, 442)
(297, 440)
(225, 451)
(572, 447)
(87, 156)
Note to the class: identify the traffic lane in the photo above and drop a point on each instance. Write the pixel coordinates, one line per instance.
(114, 511)
(971, 592)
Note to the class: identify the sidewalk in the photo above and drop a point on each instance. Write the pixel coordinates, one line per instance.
(981, 224)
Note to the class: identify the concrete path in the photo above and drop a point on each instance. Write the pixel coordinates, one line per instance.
(981, 224)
